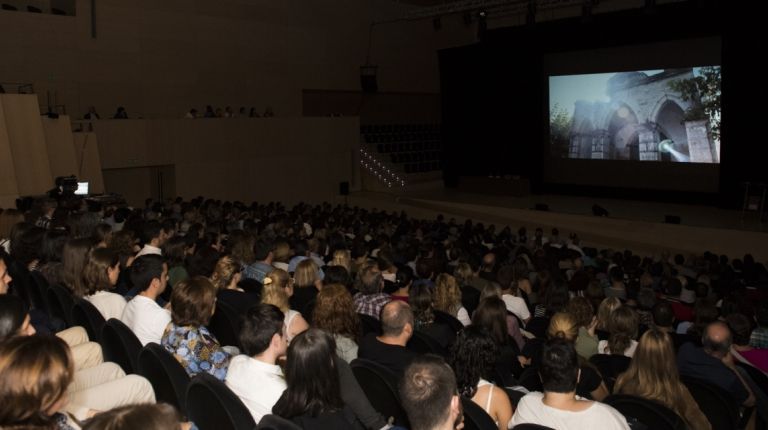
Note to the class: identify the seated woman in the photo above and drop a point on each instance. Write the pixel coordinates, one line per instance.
(278, 290)
(35, 374)
(558, 406)
(226, 276)
(306, 285)
(192, 305)
(513, 325)
(653, 375)
(420, 300)
(335, 313)
(491, 315)
(313, 397)
(473, 359)
(622, 326)
(100, 276)
(403, 282)
(604, 311)
(97, 388)
(448, 298)
(586, 341)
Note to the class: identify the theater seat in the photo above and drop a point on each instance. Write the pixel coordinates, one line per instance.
(166, 375)
(211, 405)
(653, 414)
(475, 418)
(380, 386)
(86, 315)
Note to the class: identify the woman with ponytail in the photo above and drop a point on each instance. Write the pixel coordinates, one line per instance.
(622, 326)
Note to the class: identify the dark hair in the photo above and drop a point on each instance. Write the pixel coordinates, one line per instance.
(12, 314)
(394, 316)
(559, 366)
(146, 268)
(95, 273)
(101, 232)
(473, 356)
(404, 276)
(663, 314)
(260, 324)
(53, 245)
(646, 299)
(491, 314)
(159, 416)
(193, 301)
(616, 274)
(175, 251)
(673, 287)
(623, 326)
(740, 327)
(262, 248)
(426, 391)
(311, 376)
(761, 314)
(336, 275)
(420, 300)
(581, 310)
(150, 230)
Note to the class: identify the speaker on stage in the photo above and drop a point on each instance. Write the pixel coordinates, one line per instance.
(671, 219)
(344, 188)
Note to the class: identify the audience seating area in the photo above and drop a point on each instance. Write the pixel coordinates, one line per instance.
(415, 148)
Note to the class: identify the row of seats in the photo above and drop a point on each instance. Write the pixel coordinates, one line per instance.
(398, 128)
(33, 9)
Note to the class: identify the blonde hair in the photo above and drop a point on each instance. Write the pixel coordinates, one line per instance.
(463, 272)
(282, 252)
(306, 273)
(563, 326)
(447, 295)
(653, 374)
(341, 257)
(607, 306)
(226, 269)
(274, 292)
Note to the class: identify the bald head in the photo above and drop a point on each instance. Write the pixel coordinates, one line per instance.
(717, 339)
(395, 315)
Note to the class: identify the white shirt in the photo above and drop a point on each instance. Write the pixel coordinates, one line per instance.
(259, 385)
(602, 348)
(110, 305)
(517, 306)
(280, 265)
(463, 316)
(149, 249)
(146, 319)
(532, 409)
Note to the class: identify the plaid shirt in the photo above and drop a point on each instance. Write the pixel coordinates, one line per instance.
(759, 338)
(371, 304)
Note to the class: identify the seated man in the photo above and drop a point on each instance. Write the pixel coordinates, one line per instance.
(254, 376)
(429, 395)
(370, 299)
(714, 363)
(142, 314)
(389, 349)
(559, 407)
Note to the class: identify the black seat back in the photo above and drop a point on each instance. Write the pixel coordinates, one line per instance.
(87, 316)
(380, 386)
(120, 345)
(23, 286)
(274, 422)
(225, 325)
(528, 426)
(370, 324)
(721, 410)
(531, 380)
(449, 320)
(610, 367)
(166, 375)
(211, 405)
(61, 301)
(475, 418)
(41, 285)
(652, 414)
(470, 298)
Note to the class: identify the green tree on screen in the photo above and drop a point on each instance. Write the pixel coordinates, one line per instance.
(559, 128)
(703, 92)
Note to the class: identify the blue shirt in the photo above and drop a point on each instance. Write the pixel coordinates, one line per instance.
(257, 271)
(197, 350)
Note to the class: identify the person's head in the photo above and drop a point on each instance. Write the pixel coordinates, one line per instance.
(581, 310)
(447, 294)
(306, 274)
(370, 280)
(73, 259)
(397, 320)
(262, 331)
(149, 273)
(491, 314)
(152, 233)
(420, 300)
(53, 245)
(226, 274)
(740, 328)
(463, 272)
(159, 416)
(473, 356)
(622, 326)
(5, 278)
(263, 250)
(101, 271)
(646, 299)
(278, 289)
(337, 275)
(491, 289)
(14, 318)
(559, 369)
(102, 234)
(607, 306)
(429, 394)
(404, 277)
(663, 315)
(563, 325)
(335, 312)
(717, 339)
(341, 257)
(282, 252)
(175, 251)
(505, 277)
(311, 376)
(616, 275)
(35, 372)
(193, 302)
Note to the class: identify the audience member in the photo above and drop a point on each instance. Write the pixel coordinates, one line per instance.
(278, 289)
(370, 299)
(447, 298)
(429, 395)
(153, 236)
(740, 349)
(335, 313)
(226, 277)
(142, 314)
(622, 326)
(100, 276)
(389, 349)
